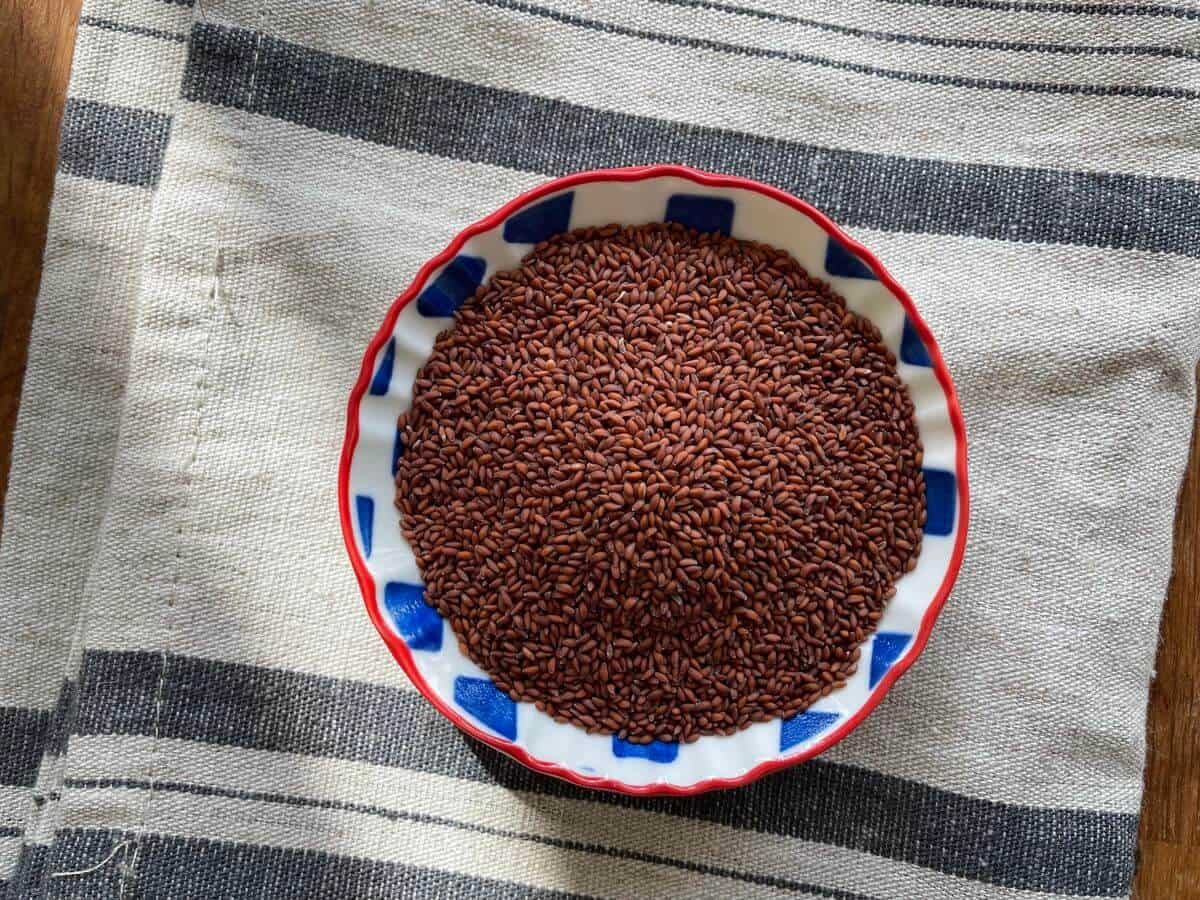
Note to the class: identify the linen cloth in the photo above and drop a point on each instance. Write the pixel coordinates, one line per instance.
(193, 701)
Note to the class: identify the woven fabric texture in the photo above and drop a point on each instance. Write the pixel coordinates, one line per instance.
(192, 700)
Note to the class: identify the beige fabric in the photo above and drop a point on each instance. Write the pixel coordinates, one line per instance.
(75, 380)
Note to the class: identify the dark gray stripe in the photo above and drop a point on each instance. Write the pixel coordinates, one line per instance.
(59, 731)
(441, 116)
(26, 878)
(744, 50)
(22, 740)
(893, 37)
(191, 867)
(110, 25)
(1060, 850)
(1154, 10)
(112, 143)
(397, 815)
(28, 735)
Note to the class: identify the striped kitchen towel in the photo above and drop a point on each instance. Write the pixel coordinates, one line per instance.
(192, 701)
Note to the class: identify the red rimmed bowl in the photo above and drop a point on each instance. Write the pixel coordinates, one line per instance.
(387, 572)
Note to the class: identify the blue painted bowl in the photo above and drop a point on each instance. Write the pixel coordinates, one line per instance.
(387, 571)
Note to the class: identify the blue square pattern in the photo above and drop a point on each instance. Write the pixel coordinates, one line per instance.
(912, 348)
(841, 262)
(453, 287)
(885, 650)
(417, 621)
(382, 378)
(801, 727)
(655, 751)
(534, 224)
(940, 497)
(365, 507)
(701, 212)
(488, 704)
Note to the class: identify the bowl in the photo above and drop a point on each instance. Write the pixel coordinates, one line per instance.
(387, 573)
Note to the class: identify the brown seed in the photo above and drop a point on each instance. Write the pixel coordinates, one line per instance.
(661, 483)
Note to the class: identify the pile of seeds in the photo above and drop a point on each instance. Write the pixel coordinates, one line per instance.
(661, 483)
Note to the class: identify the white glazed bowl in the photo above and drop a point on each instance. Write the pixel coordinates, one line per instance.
(387, 571)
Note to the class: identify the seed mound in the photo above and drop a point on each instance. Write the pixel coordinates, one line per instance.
(661, 483)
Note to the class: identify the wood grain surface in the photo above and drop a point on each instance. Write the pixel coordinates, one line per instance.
(1169, 839)
(36, 39)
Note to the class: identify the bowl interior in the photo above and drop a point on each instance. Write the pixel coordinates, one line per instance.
(387, 570)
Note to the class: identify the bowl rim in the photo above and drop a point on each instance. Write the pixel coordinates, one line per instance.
(366, 581)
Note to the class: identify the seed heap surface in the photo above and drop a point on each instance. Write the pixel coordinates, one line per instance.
(661, 483)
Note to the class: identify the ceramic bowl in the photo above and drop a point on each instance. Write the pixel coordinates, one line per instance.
(387, 573)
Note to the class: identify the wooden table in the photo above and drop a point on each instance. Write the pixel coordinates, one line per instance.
(36, 40)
